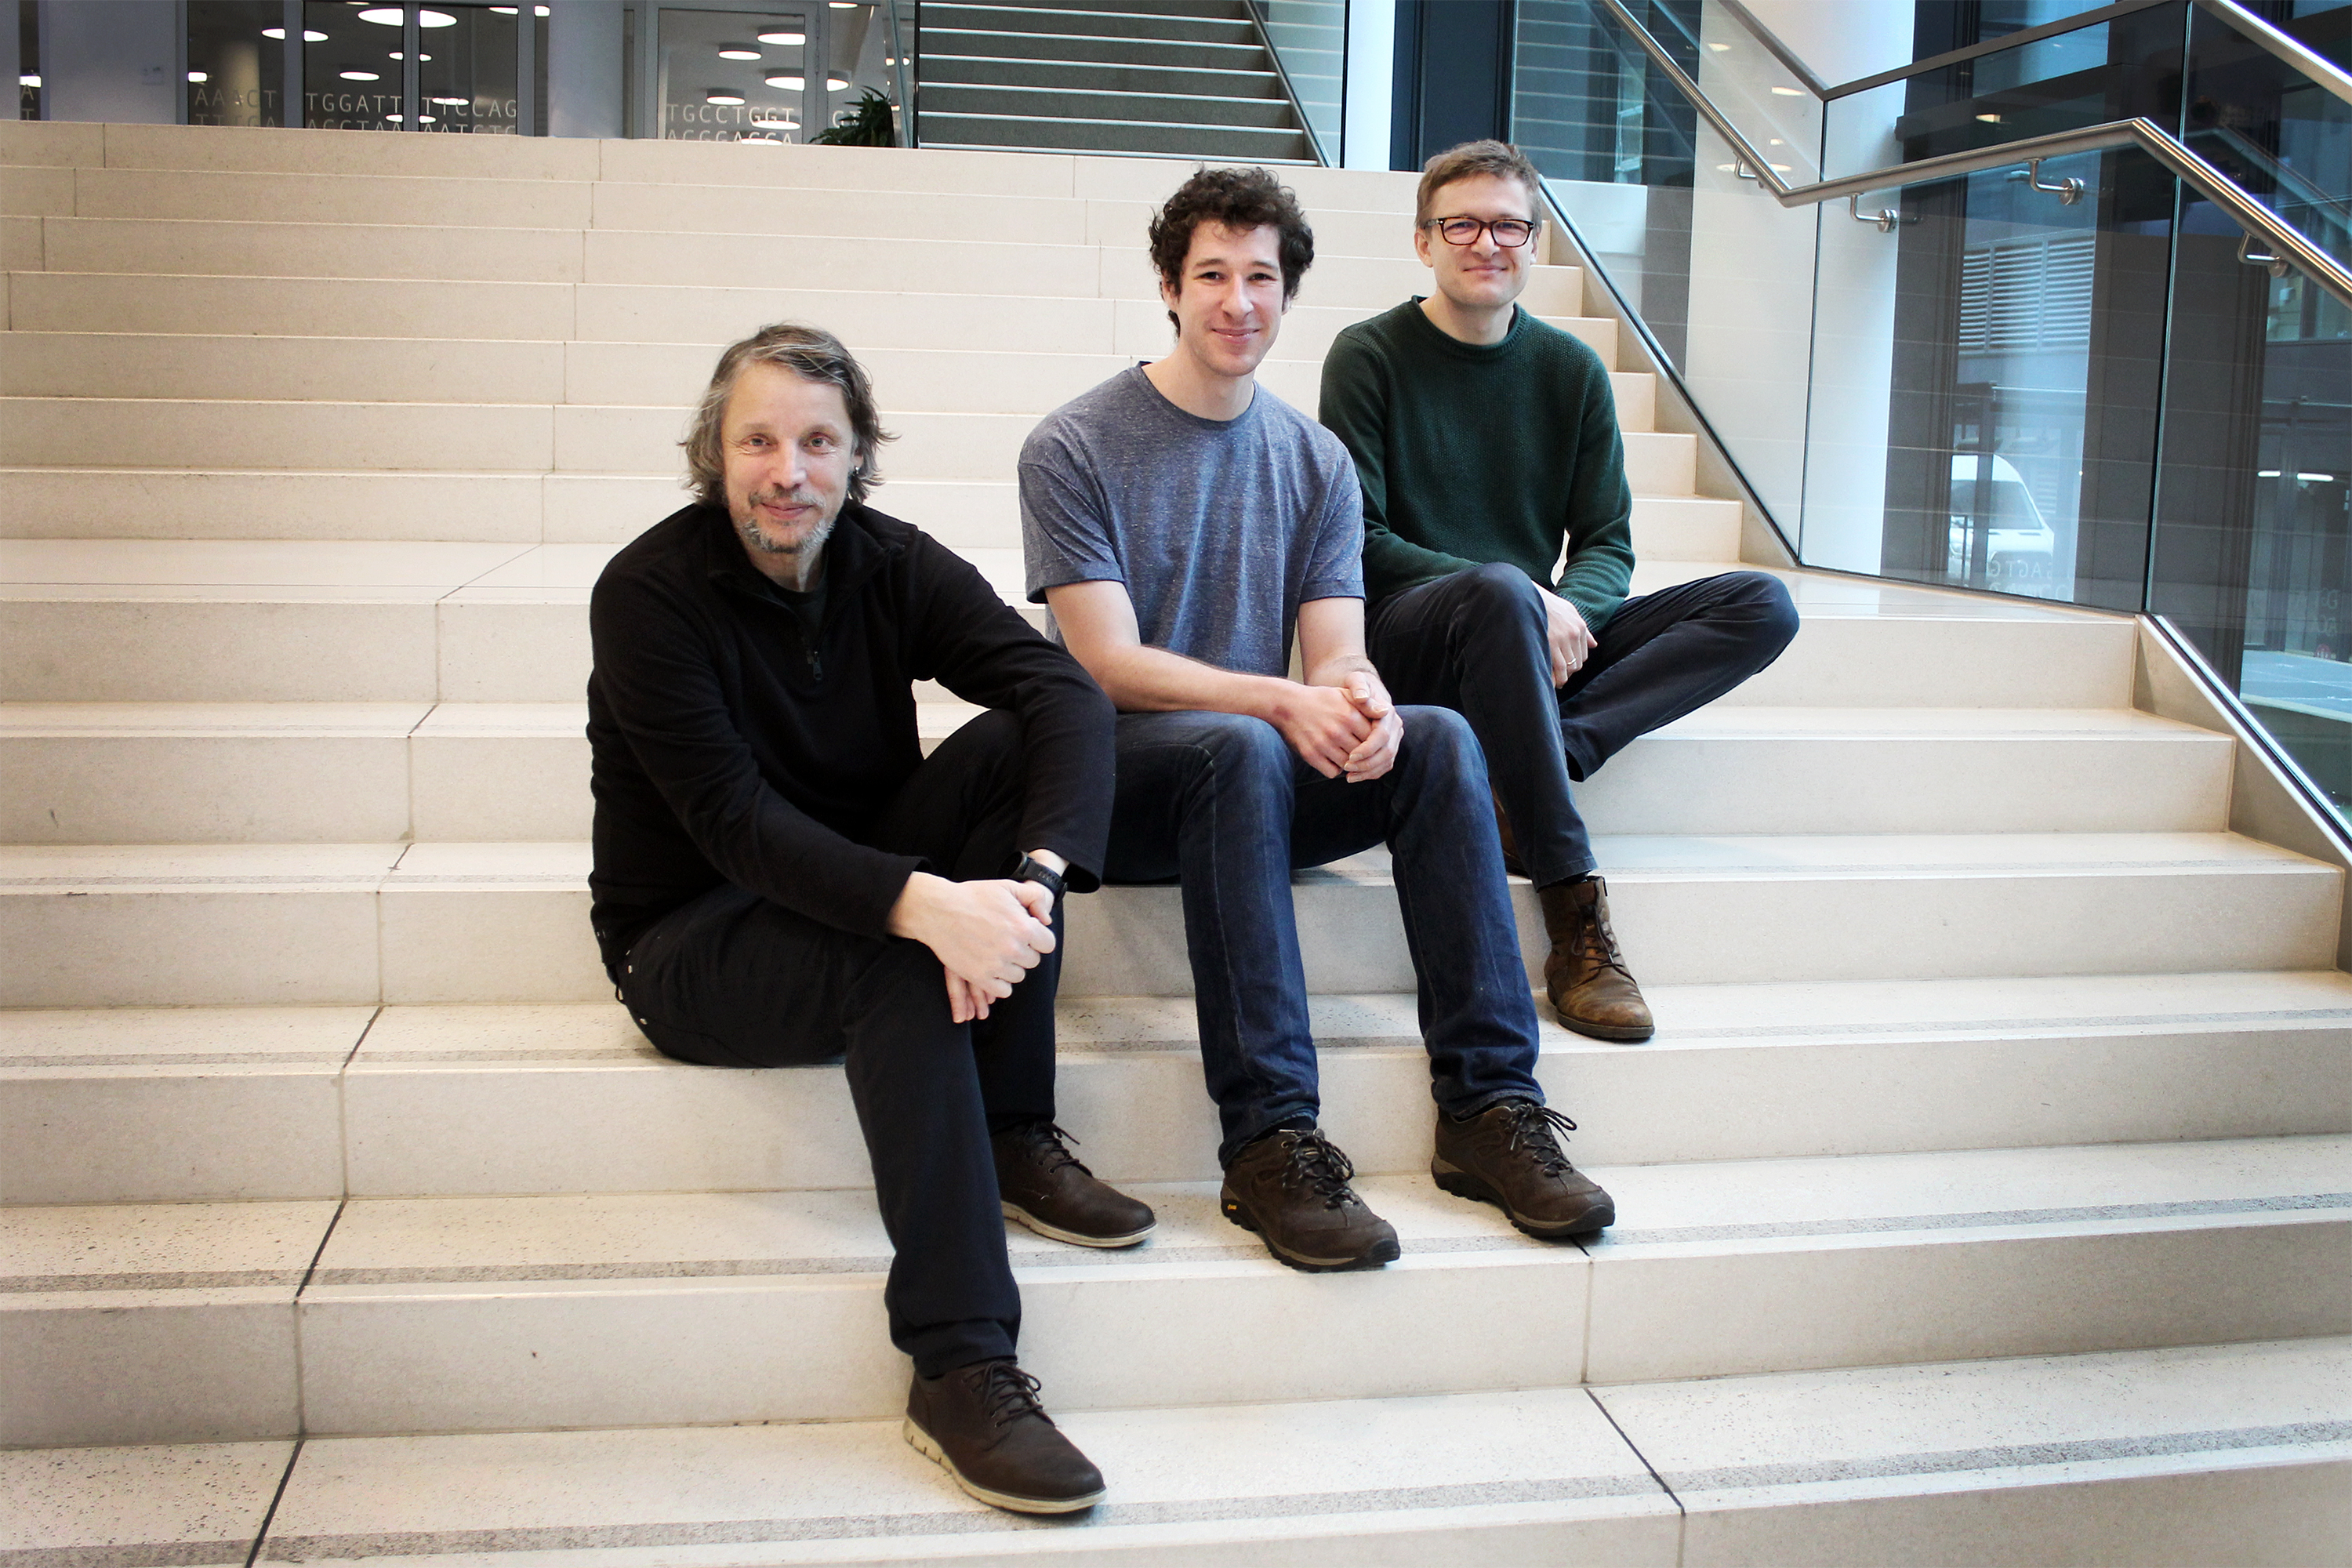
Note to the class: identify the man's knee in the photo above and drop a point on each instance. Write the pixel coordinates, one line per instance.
(1235, 749)
(1768, 606)
(1439, 738)
(1496, 596)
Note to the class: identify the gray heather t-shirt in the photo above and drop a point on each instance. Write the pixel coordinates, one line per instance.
(1220, 530)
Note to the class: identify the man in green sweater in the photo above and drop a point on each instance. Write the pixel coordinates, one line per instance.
(1487, 441)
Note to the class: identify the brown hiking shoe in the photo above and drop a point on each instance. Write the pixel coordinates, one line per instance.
(1585, 974)
(1043, 1185)
(1291, 1188)
(1511, 861)
(1509, 1155)
(984, 1423)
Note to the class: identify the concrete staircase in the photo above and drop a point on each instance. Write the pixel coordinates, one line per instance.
(1984, 1194)
(1162, 77)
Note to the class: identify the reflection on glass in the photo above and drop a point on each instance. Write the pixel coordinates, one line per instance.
(351, 66)
(1310, 38)
(235, 75)
(708, 92)
(466, 77)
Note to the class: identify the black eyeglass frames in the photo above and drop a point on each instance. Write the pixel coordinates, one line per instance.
(1509, 232)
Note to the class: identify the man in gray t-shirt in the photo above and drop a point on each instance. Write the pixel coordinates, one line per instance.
(1182, 522)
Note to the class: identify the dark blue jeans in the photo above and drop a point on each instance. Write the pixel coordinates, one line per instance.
(1474, 642)
(1222, 803)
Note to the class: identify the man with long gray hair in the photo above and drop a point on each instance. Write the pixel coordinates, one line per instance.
(782, 877)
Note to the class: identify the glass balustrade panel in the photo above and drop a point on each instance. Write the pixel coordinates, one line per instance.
(1310, 39)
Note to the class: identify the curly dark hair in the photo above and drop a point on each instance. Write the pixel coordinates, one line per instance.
(1237, 198)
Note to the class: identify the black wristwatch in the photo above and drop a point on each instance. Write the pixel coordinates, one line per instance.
(1045, 877)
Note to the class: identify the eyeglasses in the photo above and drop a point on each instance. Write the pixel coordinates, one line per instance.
(1508, 232)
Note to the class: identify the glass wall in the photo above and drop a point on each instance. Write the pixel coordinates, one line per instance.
(1310, 38)
(786, 74)
(236, 68)
(2075, 381)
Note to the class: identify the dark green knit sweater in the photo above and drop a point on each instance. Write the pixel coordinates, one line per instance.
(1473, 453)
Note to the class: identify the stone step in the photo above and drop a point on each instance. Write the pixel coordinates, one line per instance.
(188, 247)
(1000, 70)
(456, 771)
(353, 621)
(1095, 50)
(40, 161)
(2220, 1454)
(1160, 104)
(638, 314)
(148, 925)
(214, 506)
(1010, 130)
(214, 1104)
(485, 1314)
(191, 368)
(1093, 22)
(572, 437)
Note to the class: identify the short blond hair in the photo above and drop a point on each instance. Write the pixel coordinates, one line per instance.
(1469, 161)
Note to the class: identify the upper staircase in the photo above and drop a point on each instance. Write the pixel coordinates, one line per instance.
(1986, 1194)
(1162, 77)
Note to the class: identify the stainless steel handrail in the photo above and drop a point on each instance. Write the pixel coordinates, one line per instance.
(2254, 30)
(2287, 243)
(1282, 74)
(1774, 47)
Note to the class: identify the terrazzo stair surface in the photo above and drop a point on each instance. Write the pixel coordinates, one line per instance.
(2233, 1455)
(143, 925)
(1997, 1084)
(464, 1314)
(411, 1102)
(471, 772)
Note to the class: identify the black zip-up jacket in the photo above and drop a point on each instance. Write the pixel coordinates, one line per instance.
(726, 750)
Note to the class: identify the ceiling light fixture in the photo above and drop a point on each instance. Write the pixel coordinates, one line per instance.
(385, 15)
(200, 76)
(835, 83)
(789, 83)
(1788, 92)
(784, 40)
(309, 35)
(360, 76)
(728, 100)
(739, 54)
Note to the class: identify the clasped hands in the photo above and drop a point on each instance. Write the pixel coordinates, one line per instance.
(1349, 729)
(987, 936)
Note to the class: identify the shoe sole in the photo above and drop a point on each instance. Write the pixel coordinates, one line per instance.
(1463, 1185)
(923, 1444)
(1621, 1032)
(1380, 1252)
(1055, 1233)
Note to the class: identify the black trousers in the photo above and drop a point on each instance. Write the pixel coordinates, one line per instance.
(732, 980)
(1474, 642)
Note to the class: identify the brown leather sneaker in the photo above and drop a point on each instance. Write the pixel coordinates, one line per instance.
(1585, 974)
(1511, 861)
(1044, 1186)
(1508, 1155)
(1292, 1189)
(984, 1423)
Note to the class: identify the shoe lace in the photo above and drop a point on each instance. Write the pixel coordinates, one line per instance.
(1006, 1393)
(1595, 941)
(1536, 1129)
(1316, 1163)
(1049, 1146)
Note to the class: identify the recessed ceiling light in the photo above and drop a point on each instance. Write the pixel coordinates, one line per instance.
(360, 76)
(739, 54)
(309, 35)
(835, 83)
(385, 15)
(200, 76)
(770, 123)
(426, 120)
(728, 99)
(1990, 119)
(505, 10)
(789, 83)
(844, 5)
(392, 117)
(29, 82)
(785, 40)
(396, 54)
(436, 19)
(1788, 93)
(446, 100)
